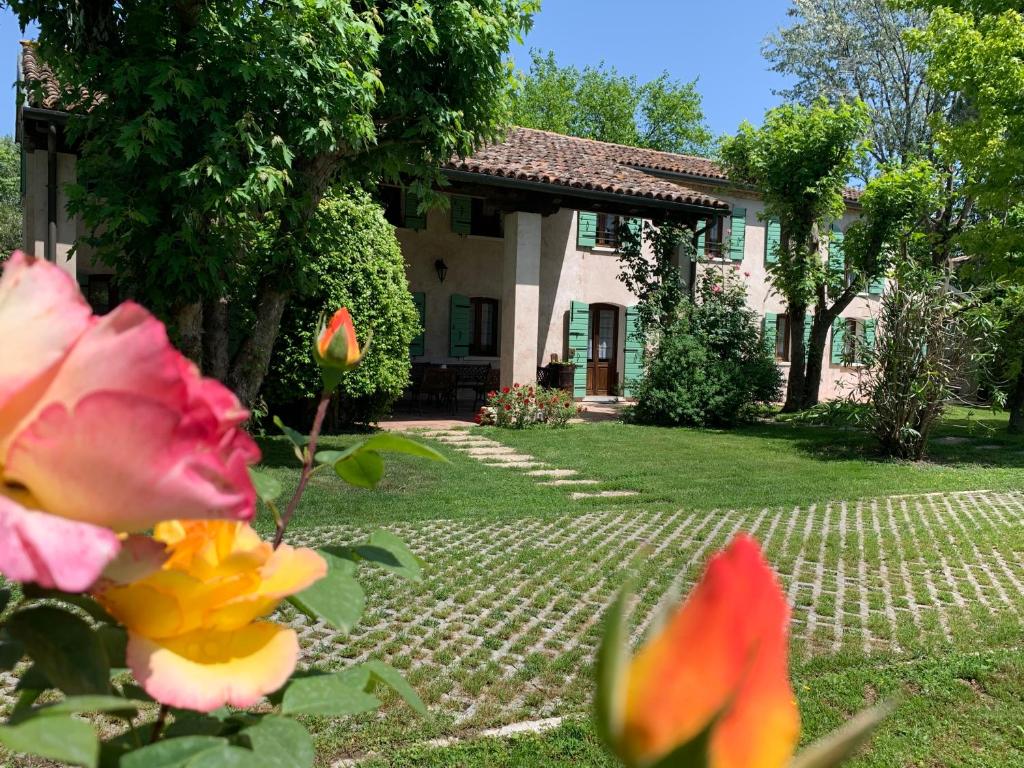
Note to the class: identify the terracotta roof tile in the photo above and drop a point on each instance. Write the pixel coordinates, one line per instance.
(527, 154)
(41, 86)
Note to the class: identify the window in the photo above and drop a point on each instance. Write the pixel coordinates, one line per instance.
(608, 230)
(391, 202)
(487, 220)
(782, 337)
(853, 332)
(483, 327)
(713, 238)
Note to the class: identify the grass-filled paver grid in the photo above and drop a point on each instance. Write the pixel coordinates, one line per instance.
(505, 622)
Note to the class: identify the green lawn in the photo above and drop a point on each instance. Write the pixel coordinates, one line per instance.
(919, 598)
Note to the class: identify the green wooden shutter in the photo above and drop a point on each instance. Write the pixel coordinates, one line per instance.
(838, 340)
(869, 333)
(417, 348)
(579, 329)
(738, 235)
(459, 328)
(462, 214)
(808, 321)
(586, 230)
(772, 239)
(877, 286)
(771, 330)
(836, 255)
(636, 226)
(413, 218)
(700, 246)
(633, 367)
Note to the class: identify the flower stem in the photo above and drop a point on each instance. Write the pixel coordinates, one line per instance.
(307, 468)
(158, 726)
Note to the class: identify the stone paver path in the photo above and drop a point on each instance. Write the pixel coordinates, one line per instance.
(495, 454)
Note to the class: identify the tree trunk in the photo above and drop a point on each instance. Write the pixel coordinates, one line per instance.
(215, 338)
(189, 323)
(253, 358)
(797, 358)
(1016, 406)
(815, 354)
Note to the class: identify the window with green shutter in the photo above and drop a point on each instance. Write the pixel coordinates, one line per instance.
(413, 219)
(701, 250)
(772, 240)
(869, 334)
(586, 229)
(771, 324)
(633, 366)
(836, 255)
(877, 286)
(838, 341)
(738, 235)
(462, 214)
(458, 332)
(579, 328)
(418, 346)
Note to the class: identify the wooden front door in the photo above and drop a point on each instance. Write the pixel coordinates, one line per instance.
(602, 344)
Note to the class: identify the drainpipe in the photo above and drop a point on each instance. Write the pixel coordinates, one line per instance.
(51, 193)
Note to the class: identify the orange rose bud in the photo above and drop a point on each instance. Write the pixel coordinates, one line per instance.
(720, 664)
(336, 349)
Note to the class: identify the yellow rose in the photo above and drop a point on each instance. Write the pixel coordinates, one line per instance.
(190, 598)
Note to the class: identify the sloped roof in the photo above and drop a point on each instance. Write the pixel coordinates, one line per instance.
(40, 85)
(528, 154)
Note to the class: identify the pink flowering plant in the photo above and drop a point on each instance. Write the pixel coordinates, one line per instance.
(133, 583)
(521, 406)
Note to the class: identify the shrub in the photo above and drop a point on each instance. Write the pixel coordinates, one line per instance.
(521, 406)
(920, 351)
(355, 261)
(708, 367)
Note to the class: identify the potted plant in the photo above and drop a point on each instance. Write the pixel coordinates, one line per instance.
(562, 373)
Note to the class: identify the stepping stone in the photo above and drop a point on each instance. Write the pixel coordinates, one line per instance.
(601, 495)
(568, 481)
(516, 464)
(952, 440)
(504, 457)
(552, 473)
(488, 451)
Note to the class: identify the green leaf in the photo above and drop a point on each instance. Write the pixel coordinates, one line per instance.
(337, 598)
(612, 656)
(280, 742)
(115, 644)
(268, 487)
(342, 693)
(73, 705)
(86, 603)
(56, 738)
(840, 745)
(228, 756)
(171, 753)
(385, 550)
(64, 647)
(297, 439)
(392, 678)
(389, 442)
(5, 598)
(363, 469)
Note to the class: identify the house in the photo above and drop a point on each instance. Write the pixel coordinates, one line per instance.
(521, 266)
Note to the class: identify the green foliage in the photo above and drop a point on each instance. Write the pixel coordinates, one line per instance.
(920, 352)
(710, 366)
(652, 275)
(353, 260)
(856, 49)
(998, 318)
(599, 103)
(10, 197)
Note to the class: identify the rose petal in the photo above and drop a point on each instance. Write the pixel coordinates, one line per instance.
(204, 670)
(126, 462)
(728, 643)
(50, 551)
(42, 313)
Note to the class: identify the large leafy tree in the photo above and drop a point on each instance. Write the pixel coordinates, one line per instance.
(976, 49)
(224, 122)
(799, 160)
(600, 103)
(10, 197)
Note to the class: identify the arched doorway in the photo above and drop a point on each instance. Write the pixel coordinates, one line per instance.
(603, 350)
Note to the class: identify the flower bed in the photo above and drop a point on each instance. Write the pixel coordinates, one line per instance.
(521, 406)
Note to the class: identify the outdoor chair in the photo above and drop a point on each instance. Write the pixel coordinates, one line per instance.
(438, 386)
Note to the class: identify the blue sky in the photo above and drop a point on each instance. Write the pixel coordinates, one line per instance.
(718, 44)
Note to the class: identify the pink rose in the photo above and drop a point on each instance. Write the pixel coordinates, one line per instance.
(104, 428)
(716, 289)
